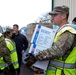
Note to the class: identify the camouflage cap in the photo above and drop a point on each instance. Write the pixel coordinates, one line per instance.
(9, 29)
(60, 9)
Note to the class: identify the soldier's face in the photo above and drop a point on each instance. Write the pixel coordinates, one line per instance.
(10, 35)
(13, 35)
(56, 19)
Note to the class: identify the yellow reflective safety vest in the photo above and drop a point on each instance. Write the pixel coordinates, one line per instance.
(11, 46)
(57, 66)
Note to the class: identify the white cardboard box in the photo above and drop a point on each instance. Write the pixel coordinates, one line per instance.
(43, 36)
(36, 48)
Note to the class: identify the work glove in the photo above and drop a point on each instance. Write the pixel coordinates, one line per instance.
(30, 59)
(42, 55)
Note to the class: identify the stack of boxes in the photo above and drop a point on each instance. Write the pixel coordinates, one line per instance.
(41, 40)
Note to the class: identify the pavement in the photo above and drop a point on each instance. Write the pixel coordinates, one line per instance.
(26, 71)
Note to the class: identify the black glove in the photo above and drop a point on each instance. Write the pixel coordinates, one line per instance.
(30, 59)
(11, 68)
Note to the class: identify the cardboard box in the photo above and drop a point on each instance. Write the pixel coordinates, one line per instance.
(43, 36)
(36, 48)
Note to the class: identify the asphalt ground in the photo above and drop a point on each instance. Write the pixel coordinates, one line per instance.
(26, 71)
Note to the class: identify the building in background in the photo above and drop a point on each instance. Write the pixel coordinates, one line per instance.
(70, 3)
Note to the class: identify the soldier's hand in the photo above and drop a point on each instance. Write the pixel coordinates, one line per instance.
(30, 59)
(42, 55)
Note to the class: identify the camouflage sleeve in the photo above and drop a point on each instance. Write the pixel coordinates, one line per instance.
(4, 52)
(58, 49)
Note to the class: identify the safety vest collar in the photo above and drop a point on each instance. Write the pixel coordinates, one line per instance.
(67, 27)
(13, 51)
(64, 28)
(10, 42)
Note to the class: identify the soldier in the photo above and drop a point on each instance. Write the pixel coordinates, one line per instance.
(12, 48)
(62, 54)
(5, 59)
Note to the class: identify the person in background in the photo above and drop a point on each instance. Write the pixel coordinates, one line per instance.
(12, 48)
(55, 27)
(62, 54)
(21, 44)
(5, 59)
(74, 21)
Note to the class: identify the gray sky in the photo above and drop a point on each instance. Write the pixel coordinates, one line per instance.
(22, 12)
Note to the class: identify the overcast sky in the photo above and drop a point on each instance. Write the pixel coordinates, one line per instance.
(22, 12)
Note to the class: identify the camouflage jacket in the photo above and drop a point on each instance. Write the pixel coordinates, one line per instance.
(59, 48)
(4, 52)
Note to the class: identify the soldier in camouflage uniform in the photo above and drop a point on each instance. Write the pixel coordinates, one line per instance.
(63, 50)
(4, 55)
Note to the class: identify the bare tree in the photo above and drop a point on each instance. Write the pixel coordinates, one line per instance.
(44, 18)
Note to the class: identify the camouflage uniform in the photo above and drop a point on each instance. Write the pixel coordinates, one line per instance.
(59, 48)
(4, 52)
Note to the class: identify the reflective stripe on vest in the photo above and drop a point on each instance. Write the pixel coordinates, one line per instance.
(13, 51)
(62, 64)
(15, 62)
(51, 68)
(6, 65)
